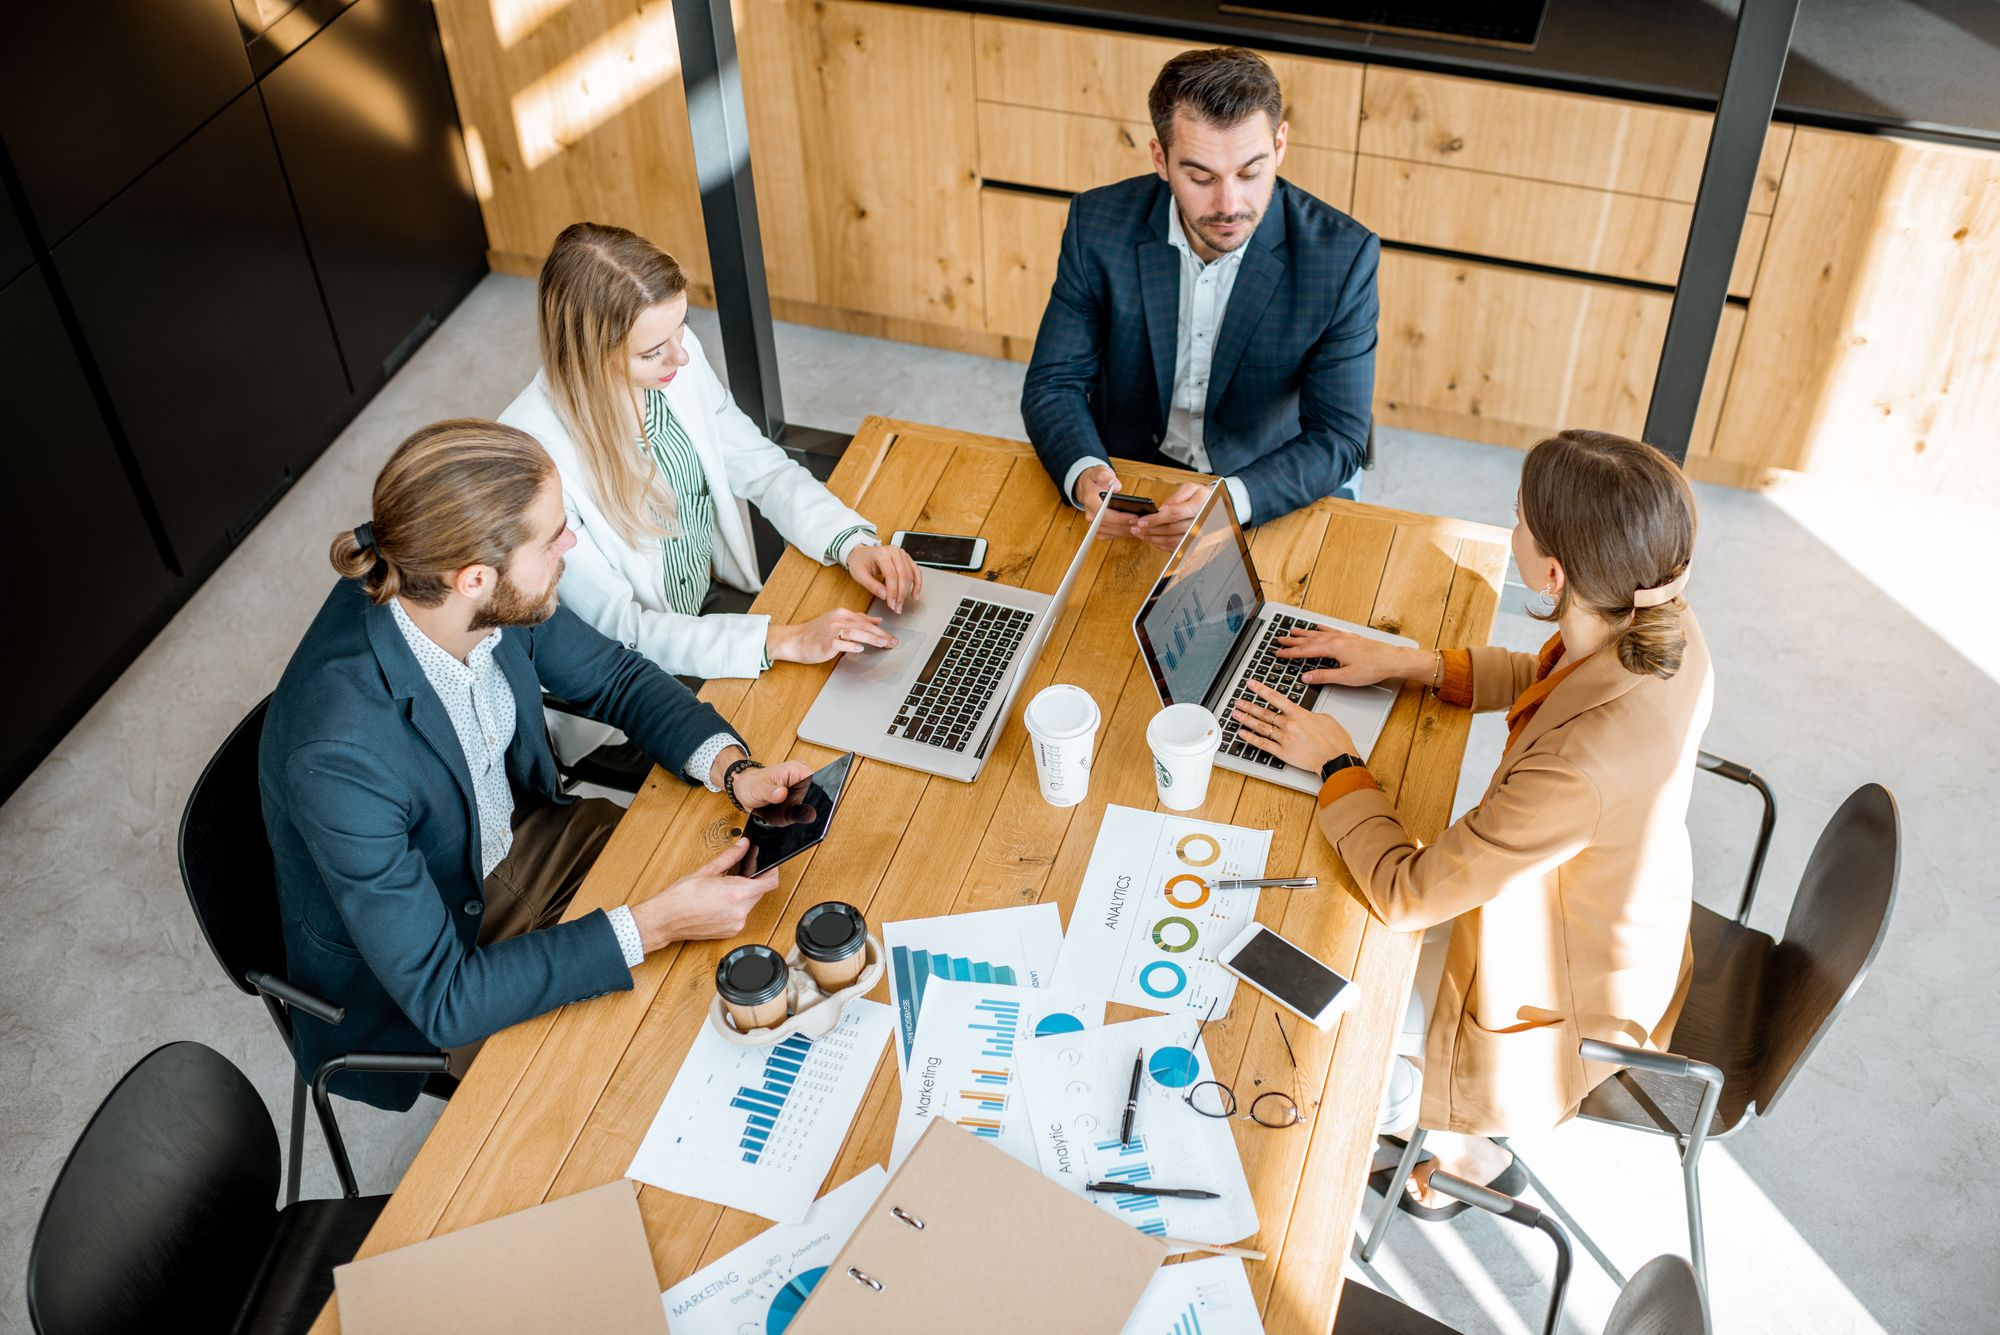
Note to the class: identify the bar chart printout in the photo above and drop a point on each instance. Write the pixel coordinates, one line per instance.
(1014, 947)
(964, 1066)
(1207, 1297)
(757, 1128)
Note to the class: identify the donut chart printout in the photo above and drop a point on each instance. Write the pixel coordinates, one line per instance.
(1149, 922)
(758, 1288)
(1076, 1085)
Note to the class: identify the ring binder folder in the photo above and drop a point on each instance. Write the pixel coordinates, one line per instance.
(963, 1227)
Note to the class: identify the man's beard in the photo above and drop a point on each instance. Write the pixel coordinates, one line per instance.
(1227, 243)
(509, 606)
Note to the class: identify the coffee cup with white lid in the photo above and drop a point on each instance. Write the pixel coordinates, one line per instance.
(1183, 739)
(1062, 728)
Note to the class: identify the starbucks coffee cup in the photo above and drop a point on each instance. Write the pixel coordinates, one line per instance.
(1183, 739)
(1062, 729)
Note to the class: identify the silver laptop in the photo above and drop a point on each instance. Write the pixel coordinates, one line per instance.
(1206, 627)
(938, 699)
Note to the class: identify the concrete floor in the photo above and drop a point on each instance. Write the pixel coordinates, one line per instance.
(1851, 644)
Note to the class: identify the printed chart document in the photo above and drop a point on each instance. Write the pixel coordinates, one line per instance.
(758, 1288)
(758, 1128)
(1149, 921)
(1210, 1297)
(1076, 1086)
(1014, 947)
(964, 1065)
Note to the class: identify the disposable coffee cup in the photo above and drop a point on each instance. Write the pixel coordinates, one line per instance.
(752, 981)
(1183, 739)
(1062, 728)
(833, 941)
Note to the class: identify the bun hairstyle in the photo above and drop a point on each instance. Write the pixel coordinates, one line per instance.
(1620, 518)
(596, 283)
(453, 495)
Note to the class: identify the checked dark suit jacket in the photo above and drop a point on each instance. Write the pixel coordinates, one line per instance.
(1291, 386)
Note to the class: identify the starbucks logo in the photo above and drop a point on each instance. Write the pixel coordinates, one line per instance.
(1160, 773)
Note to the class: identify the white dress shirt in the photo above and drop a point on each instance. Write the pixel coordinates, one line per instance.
(480, 704)
(1205, 289)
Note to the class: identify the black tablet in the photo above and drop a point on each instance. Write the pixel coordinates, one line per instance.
(786, 829)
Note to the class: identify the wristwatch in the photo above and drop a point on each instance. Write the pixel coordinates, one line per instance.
(729, 780)
(1337, 764)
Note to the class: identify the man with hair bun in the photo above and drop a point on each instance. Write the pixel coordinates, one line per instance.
(424, 849)
(1210, 315)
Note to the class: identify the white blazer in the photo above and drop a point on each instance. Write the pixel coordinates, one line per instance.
(619, 588)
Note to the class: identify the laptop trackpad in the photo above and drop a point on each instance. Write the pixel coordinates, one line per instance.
(890, 665)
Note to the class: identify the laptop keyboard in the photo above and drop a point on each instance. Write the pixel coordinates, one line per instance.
(1281, 675)
(965, 671)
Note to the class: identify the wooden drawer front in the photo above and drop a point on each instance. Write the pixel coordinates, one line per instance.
(866, 137)
(1060, 150)
(1536, 222)
(1566, 138)
(1023, 236)
(1507, 356)
(1061, 68)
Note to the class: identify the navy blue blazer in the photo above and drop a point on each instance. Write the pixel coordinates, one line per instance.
(1290, 392)
(369, 804)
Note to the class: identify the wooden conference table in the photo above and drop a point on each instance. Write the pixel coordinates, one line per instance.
(558, 1104)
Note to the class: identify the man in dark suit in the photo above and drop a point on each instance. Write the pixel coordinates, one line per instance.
(1211, 316)
(424, 849)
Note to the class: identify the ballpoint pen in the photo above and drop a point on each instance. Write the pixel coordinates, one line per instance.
(1269, 883)
(1140, 1189)
(1132, 1098)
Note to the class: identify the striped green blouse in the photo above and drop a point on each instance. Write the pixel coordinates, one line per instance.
(687, 560)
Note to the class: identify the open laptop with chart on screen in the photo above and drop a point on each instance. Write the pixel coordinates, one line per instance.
(1206, 627)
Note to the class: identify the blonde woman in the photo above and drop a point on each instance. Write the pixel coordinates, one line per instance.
(1568, 888)
(659, 468)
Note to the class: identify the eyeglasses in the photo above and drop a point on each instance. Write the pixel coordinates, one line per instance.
(1274, 1109)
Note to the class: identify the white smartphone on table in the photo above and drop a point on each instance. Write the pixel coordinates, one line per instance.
(941, 551)
(1288, 975)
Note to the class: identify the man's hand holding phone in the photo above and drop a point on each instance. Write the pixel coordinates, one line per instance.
(1092, 487)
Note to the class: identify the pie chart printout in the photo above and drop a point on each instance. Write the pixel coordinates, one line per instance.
(1176, 1068)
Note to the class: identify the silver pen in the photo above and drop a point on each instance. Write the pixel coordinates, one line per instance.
(1270, 883)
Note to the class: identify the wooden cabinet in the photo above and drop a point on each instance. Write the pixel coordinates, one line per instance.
(1869, 353)
(1504, 355)
(1062, 68)
(1603, 143)
(1538, 222)
(572, 112)
(866, 157)
(1022, 234)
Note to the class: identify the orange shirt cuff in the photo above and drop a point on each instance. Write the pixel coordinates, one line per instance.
(1455, 687)
(1353, 779)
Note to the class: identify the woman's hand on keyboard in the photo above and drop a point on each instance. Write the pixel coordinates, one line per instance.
(841, 631)
(1355, 660)
(1294, 735)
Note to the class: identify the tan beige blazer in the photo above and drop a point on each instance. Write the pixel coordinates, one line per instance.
(1569, 888)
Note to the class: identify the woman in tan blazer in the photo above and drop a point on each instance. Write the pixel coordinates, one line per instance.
(1569, 886)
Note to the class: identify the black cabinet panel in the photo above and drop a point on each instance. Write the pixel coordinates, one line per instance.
(15, 256)
(366, 126)
(197, 299)
(90, 94)
(87, 572)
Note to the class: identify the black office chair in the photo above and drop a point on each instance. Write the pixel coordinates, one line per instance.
(1366, 1311)
(163, 1215)
(1755, 1010)
(225, 858)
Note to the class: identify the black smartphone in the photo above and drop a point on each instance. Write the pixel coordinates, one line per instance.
(1130, 505)
(942, 551)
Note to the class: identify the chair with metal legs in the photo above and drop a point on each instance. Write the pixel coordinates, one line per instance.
(1755, 1010)
(226, 867)
(164, 1213)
